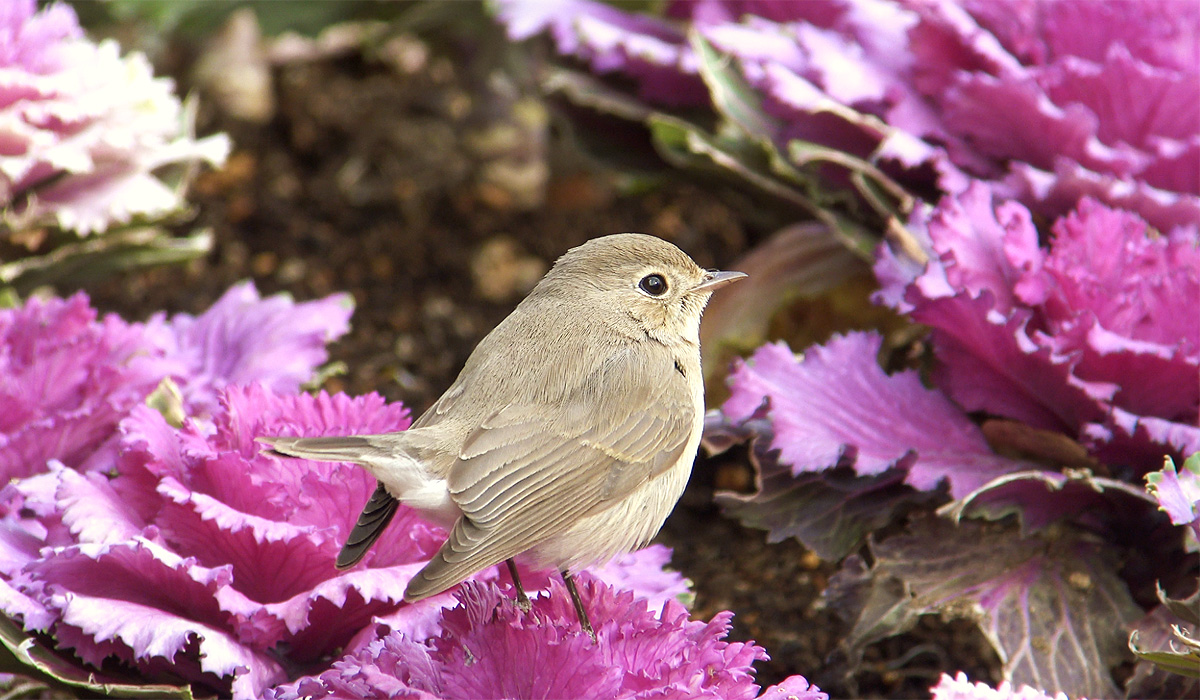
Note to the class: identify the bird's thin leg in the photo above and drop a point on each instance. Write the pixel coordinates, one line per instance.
(522, 599)
(584, 622)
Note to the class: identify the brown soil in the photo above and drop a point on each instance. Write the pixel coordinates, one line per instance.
(362, 182)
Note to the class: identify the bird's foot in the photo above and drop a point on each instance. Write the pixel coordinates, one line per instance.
(523, 603)
(522, 599)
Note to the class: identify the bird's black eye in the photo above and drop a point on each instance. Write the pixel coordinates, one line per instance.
(654, 285)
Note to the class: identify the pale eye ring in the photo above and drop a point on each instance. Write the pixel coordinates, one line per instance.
(655, 285)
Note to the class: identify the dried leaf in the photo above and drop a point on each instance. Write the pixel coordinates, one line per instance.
(1042, 497)
(1169, 653)
(1051, 604)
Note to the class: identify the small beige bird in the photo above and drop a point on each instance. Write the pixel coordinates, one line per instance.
(570, 433)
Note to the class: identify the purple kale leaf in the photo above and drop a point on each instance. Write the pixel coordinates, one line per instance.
(1004, 91)
(488, 648)
(830, 512)
(1178, 493)
(1083, 337)
(196, 558)
(836, 406)
(68, 376)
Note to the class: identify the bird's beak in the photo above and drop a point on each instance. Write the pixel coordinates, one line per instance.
(714, 279)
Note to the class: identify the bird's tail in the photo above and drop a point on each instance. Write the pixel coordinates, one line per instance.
(374, 518)
(402, 477)
(350, 448)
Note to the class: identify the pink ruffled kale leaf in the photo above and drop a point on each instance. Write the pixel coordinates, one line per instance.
(68, 376)
(652, 51)
(244, 338)
(201, 559)
(836, 406)
(150, 608)
(1117, 99)
(199, 555)
(959, 687)
(831, 512)
(85, 132)
(488, 648)
(840, 448)
(1055, 100)
(1084, 337)
(218, 498)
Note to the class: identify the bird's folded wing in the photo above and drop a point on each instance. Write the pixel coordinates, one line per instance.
(529, 473)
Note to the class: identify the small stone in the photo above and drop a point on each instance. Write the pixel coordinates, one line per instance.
(381, 267)
(264, 263)
(291, 271)
(438, 307)
(406, 54)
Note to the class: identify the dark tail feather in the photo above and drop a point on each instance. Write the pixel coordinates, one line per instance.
(374, 518)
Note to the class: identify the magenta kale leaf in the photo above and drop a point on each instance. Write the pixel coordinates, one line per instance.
(488, 648)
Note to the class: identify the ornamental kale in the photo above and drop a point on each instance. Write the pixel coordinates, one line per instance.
(196, 558)
(487, 648)
(200, 554)
(1076, 355)
(961, 688)
(1085, 337)
(69, 380)
(83, 130)
(1178, 493)
(892, 422)
(68, 377)
(1011, 92)
(244, 338)
(1058, 276)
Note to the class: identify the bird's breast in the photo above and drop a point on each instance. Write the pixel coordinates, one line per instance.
(630, 523)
